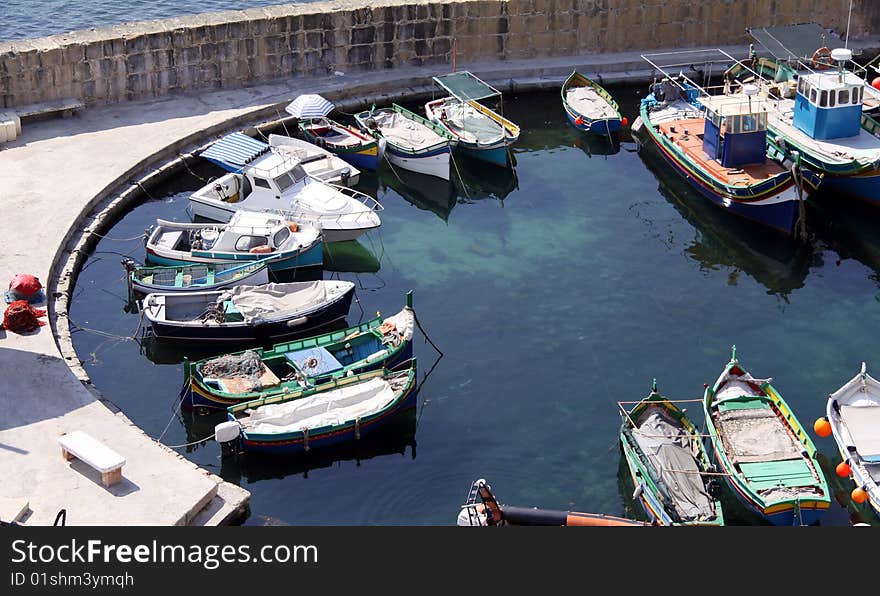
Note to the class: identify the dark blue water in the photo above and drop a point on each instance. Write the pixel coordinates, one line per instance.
(555, 291)
(22, 19)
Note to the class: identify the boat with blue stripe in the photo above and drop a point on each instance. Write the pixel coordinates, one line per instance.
(588, 106)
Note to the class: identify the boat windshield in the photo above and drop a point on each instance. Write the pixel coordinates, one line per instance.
(280, 237)
(291, 177)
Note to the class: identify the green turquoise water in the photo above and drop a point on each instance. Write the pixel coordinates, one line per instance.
(555, 291)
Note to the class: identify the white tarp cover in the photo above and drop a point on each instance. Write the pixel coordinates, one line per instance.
(863, 423)
(322, 409)
(276, 300)
(668, 447)
(756, 435)
(472, 124)
(404, 132)
(588, 102)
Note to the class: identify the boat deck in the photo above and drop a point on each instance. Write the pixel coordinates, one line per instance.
(688, 134)
(587, 101)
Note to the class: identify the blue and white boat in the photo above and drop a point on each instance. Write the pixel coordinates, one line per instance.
(248, 236)
(479, 130)
(409, 141)
(275, 177)
(589, 107)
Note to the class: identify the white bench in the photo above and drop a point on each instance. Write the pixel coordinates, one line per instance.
(94, 453)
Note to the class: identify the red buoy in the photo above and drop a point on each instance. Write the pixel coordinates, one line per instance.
(876, 83)
(578, 120)
(625, 122)
(843, 470)
(859, 495)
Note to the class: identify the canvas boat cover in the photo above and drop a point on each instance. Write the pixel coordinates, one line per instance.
(402, 131)
(793, 42)
(587, 101)
(321, 409)
(465, 87)
(472, 124)
(235, 150)
(668, 447)
(863, 423)
(276, 300)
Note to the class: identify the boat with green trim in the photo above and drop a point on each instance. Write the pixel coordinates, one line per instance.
(588, 106)
(339, 411)
(193, 278)
(673, 477)
(219, 382)
(766, 456)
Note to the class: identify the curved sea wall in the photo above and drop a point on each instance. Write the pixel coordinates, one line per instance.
(234, 49)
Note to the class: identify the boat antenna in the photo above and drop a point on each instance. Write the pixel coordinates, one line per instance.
(849, 16)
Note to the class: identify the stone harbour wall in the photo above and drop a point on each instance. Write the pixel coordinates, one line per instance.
(234, 49)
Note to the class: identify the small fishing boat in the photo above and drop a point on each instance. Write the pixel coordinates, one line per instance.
(408, 140)
(248, 313)
(766, 457)
(233, 378)
(670, 469)
(719, 145)
(248, 236)
(340, 411)
(193, 278)
(481, 508)
(854, 415)
(589, 106)
(479, 131)
(347, 142)
(271, 178)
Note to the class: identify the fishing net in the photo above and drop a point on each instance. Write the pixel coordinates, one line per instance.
(21, 317)
(246, 365)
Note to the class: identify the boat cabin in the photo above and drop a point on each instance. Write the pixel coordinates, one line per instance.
(735, 132)
(828, 105)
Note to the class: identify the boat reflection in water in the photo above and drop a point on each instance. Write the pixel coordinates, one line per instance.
(350, 257)
(848, 227)
(778, 263)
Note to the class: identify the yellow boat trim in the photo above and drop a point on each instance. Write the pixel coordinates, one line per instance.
(507, 124)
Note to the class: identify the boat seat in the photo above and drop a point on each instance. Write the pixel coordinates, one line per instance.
(740, 402)
(169, 240)
(785, 473)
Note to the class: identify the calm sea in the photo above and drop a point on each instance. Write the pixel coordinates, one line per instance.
(555, 290)
(22, 19)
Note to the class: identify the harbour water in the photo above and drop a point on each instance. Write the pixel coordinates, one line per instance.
(555, 291)
(24, 19)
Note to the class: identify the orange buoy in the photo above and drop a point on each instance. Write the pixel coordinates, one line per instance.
(876, 83)
(578, 120)
(859, 495)
(822, 427)
(843, 470)
(625, 122)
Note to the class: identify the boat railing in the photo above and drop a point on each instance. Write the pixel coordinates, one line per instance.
(369, 202)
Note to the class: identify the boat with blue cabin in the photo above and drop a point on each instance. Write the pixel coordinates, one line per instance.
(248, 236)
(719, 145)
(479, 130)
(273, 178)
(588, 106)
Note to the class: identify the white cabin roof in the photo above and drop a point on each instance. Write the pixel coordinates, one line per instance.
(735, 105)
(247, 220)
(831, 80)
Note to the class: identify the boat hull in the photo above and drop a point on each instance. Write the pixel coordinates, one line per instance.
(258, 277)
(606, 126)
(263, 333)
(434, 163)
(494, 155)
(863, 187)
(310, 258)
(364, 157)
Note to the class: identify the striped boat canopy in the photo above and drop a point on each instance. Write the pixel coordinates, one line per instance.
(235, 151)
(310, 105)
(466, 87)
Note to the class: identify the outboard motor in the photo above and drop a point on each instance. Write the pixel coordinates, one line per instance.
(344, 176)
(228, 434)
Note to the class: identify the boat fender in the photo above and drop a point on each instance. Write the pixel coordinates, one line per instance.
(261, 249)
(638, 492)
(226, 431)
(292, 226)
(376, 355)
(297, 321)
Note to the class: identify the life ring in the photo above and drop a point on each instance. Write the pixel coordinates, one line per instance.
(818, 55)
(261, 249)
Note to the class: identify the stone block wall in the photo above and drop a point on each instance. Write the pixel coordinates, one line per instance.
(238, 48)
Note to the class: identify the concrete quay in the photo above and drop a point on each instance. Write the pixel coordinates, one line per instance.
(66, 179)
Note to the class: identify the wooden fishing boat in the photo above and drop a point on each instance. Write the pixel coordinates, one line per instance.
(194, 278)
(854, 414)
(481, 508)
(408, 140)
(718, 144)
(249, 236)
(272, 178)
(336, 412)
(589, 106)
(220, 382)
(767, 458)
(673, 477)
(478, 130)
(248, 313)
(359, 149)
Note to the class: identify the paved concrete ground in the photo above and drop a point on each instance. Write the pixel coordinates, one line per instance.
(60, 168)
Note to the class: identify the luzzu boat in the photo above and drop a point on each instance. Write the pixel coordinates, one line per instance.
(588, 106)
(248, 236)
(194, 278)
(408, 140)
(673, 477)
(479, 130)
(766, 457)
(291, 366)
(719, 145)
(271, 178)
(339, 411)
